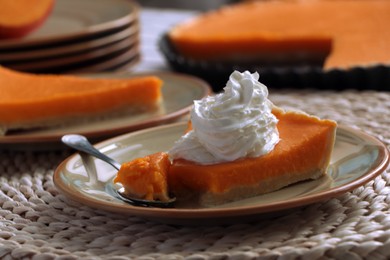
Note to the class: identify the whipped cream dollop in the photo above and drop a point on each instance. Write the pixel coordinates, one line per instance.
(234, 124)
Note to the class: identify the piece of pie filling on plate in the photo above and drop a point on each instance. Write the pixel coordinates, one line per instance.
(302, 153)
(19, 18)
(38, 100)
(332, 34)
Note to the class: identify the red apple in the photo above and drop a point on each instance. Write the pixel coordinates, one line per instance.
(20, 17)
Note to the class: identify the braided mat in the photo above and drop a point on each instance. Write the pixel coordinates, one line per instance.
(37, 222)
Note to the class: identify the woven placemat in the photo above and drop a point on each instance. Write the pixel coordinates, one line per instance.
(38, 222)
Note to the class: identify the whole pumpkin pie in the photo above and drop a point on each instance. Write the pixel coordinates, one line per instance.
(32, 100)
(238, 145)
(337, 34)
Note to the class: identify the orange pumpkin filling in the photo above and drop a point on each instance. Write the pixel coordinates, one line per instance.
(146, 177)
(344, 33)
(28, 100)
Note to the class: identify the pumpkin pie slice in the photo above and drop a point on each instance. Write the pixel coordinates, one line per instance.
(303, 153)
(29, 100)
(335, 34)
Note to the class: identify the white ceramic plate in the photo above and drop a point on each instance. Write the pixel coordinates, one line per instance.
(357, 158)
(75, 19)
(178, 91)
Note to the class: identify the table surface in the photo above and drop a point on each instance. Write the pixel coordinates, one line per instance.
(37, 221)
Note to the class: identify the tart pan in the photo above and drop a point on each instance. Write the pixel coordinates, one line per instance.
(304, 76)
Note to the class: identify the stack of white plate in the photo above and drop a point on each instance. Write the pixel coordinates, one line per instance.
(79, 36)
